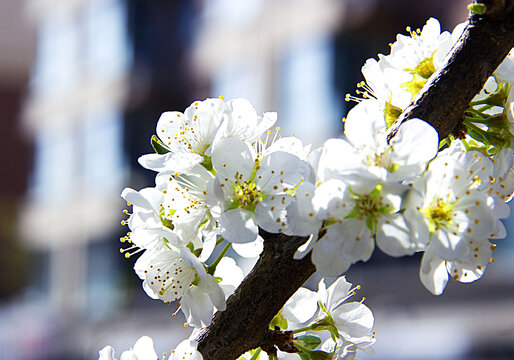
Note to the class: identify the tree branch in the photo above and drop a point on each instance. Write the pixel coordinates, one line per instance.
(244, 324)
(484, 44)
(442, 102)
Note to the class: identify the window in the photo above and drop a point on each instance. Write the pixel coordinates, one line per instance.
(102, 152)
(57, 54)
(54, 171)
(308, 105)
(106, 45)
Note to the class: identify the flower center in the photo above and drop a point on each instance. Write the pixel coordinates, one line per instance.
(366, 205)
(188, 135)
(439, 213)
(383, 160)
(420, 75)
(369, 207)
(246, 195)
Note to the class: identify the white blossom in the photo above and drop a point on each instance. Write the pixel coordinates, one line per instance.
(449, 212)
(142, 350)
(251, 192)
(353, 320)
(148, 227)
(177, 274)
(186, 350)
(191, 136)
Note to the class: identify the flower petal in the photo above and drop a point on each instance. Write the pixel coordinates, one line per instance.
(238, 226)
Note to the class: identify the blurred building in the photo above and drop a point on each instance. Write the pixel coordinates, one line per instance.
(104, 70)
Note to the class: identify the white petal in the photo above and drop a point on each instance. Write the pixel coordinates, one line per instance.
(281, 171)
(107, 353)
(136, 197)
(209, 285)
(365, 127)
(415, 142)
(337, 292)
(301, 216)
(271, 213)
(353, 319)
(238, 226)
(197, 307)
(230, 157)
(433, 273)
(144, 349)
(394, 237)
(249, 250)
(181, 162)
(231, 275)
(505, 72)
(301, 306)
(192, 261)
(328, 260)
(186, 350)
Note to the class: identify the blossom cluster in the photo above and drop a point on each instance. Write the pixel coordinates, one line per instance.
(222, 174)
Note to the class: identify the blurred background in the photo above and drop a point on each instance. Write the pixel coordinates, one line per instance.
(82, 84)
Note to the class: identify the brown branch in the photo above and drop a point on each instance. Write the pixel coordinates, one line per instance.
(244, 324)
(442, 102)
(486, 41)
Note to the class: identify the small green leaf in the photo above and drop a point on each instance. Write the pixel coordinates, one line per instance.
(309, 341)
(477, 8)
(313, 354)
(158, 145)
(279, 321)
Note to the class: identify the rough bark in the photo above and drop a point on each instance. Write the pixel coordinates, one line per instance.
(442, 103)
(244, 324)
(446, 95)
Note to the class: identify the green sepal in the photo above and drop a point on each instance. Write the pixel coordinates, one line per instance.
(327, 323)
(391, 113)
(420, 75)
(309, 341)
(207, 164)
(196, 280)
(279, 321)
(167, 222)
(158, 145)
(353, 214)
(371, 223)
(376, 191)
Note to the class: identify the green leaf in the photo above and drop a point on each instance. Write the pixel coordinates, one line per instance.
(158, 145)
(304, 356)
